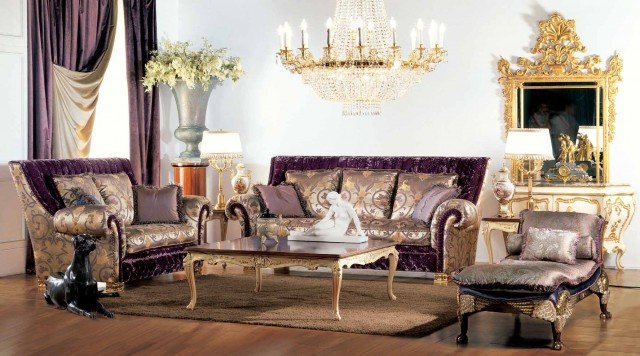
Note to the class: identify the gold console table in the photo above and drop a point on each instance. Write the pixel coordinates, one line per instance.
(615, 202)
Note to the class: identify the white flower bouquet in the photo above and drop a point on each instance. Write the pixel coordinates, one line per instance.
(175, 61)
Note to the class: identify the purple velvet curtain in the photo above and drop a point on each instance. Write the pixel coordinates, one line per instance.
(69, 33)
(144, 115)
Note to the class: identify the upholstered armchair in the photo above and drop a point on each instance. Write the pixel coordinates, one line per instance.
(123, 253)
(441, 246)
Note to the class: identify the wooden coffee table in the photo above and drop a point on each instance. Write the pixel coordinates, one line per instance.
(250, 252)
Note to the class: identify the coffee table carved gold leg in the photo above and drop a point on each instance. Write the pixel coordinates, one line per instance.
(337, 283)
(191, 280)
(393, 264)
(258, 279)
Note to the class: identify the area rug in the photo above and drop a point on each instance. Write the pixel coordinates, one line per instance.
(297, 302)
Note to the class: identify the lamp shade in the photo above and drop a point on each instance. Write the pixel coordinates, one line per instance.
(594, 134)
(534, 144)
(220, 144)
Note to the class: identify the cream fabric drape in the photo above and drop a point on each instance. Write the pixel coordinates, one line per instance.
(75, 96)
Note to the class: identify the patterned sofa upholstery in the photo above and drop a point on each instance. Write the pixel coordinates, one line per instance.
(541, 289)
(443, 246)
(123, 253)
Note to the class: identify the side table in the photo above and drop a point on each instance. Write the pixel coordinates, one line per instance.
(506, 225)
(223, 219)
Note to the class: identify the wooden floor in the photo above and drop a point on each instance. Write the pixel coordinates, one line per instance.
(29, 326)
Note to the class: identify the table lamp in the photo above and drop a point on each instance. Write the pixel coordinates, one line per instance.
(533, 146)
(220, 148)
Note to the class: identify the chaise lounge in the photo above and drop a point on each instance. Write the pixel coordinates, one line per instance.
(542, 289)
(383, 204)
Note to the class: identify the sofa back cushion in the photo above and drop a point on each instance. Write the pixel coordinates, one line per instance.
(117, 193)
(431, 200)
(39, 175)
(313, 186)
(585, 225)
(470, 170)
(77, 189)
(369, 191)
(412, 187)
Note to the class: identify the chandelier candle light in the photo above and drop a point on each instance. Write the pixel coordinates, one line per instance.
(221, 147)
(361, 65)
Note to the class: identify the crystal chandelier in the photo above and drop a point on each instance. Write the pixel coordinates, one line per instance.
(361, 65)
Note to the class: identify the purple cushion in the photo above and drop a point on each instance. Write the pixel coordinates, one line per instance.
(280, 200)
(430, 201)
(550, 245)
(155, 205)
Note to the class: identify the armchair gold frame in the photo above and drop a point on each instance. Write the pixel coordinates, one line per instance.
(556, 47)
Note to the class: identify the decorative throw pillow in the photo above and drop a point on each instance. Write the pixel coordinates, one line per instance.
(77, 188)
(550, 245)
(117, 193)
(313, 187)
(431, 200)
(158, 205)
(586, 248)
(514, 244)
(280, 200)
(369, 191)
(413, 186)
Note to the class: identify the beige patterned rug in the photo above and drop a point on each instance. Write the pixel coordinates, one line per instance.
(297, 302)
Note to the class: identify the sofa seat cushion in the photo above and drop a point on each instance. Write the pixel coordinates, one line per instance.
(512, 274)
(148, 236)
(405, 231)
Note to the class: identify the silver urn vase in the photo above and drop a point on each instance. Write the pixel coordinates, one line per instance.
(192, 111)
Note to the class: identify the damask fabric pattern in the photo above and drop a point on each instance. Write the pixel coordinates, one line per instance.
(117, 193)
(411, 188)
(250, 203)
(148, 236)
(583, 224)
(193, 206)
(454, 234)
(83, 219)
(73, 188)
(549, 245)
(586, 248)
(369, 191)
(314, 185)
(514, 243)
(53, 251)
(517, 275)
(406, 231)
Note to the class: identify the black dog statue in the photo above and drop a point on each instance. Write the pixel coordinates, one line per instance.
(76, 290)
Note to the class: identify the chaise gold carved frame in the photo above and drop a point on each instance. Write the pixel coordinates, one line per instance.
(556, 47)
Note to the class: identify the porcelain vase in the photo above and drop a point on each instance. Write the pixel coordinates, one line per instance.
(503, 190)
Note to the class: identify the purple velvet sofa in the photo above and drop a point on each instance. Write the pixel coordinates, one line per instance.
(453, 229)
(51, 225)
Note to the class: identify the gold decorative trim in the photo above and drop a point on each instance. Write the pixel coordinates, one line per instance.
(573, 200)
(556, 48)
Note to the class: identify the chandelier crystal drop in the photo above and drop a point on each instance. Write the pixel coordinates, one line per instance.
(361, 65)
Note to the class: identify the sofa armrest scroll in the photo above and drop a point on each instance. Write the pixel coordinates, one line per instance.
(454, 234)
(246, 208)
(84, 219)
(197, 210)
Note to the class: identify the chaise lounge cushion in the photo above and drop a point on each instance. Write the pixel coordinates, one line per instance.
(314, 185)
(513, 274)
(148, 236)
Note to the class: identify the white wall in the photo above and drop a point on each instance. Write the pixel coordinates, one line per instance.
(13, 136)
(456, 110)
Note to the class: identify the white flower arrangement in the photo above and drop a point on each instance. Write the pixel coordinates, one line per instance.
(175, 61)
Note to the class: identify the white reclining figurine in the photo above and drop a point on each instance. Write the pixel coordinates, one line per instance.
(336, 223)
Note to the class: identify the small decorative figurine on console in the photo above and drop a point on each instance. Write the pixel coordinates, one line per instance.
(333, 227)
(77, 290)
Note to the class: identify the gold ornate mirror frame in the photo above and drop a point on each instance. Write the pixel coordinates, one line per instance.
(556, 47)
